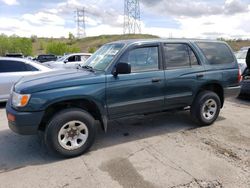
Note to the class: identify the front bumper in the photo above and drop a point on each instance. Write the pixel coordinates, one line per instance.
(25, 123)
(232, 91)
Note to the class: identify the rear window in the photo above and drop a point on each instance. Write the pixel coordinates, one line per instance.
(216, 53)
(12, 66)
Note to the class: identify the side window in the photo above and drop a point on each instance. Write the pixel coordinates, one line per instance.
(12, 66)
(179, 55)
(142, 59)
(216, 53)
(193, 58)
(72, 59)
(78, 58)
(84, 58)
(31, 68)
(176, 55)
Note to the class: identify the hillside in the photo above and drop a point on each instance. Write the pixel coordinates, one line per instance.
(86, 44)
(92, 43)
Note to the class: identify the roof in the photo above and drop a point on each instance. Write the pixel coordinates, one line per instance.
(13, 59)
(131, 41)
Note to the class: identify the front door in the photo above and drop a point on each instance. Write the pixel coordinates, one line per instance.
(140, 91)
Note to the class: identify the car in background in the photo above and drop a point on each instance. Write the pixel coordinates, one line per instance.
(241, 58)
(245, 48)
(18, 55)
(13, 69)
(245, 83)
(45, 58)
(69, 61)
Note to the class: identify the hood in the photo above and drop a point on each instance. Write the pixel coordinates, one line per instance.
(57, 79)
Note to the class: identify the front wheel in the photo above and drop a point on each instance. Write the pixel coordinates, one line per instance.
(70, 133)
(206, 108)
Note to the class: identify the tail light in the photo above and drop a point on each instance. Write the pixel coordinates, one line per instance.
(239, 76)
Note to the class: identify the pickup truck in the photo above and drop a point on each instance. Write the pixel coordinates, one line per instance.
(124, 78)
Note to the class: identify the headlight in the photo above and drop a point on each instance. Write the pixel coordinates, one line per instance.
(20, 100)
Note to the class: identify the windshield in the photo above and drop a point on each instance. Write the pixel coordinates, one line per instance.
(241, 54)
(103, 56)
(62, 58)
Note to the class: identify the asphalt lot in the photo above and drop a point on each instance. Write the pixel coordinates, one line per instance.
(160, 150)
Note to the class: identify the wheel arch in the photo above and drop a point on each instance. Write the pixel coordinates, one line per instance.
(90, 105)
(215, 87)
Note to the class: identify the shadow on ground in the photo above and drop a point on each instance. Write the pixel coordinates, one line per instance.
(18, 151)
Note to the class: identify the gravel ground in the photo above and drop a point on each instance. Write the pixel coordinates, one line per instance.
(160, 150)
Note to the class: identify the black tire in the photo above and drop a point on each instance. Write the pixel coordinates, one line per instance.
(198, 104)
(58, 121)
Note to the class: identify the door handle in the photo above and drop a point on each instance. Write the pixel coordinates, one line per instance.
(156, 80)
(199, 75)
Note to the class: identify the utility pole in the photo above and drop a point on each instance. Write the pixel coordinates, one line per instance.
(132, 24)
(80, 23)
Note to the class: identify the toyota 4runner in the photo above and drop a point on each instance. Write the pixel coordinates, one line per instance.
(124, 78)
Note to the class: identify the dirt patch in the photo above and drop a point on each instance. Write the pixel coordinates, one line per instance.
(200, 184)
(122, 171)
(221, 150)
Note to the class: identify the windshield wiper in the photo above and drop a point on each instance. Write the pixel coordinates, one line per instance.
(88, 68)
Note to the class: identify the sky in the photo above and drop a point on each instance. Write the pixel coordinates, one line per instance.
(209, 19)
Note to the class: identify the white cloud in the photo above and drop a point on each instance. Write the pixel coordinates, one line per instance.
(10, 26)
(10, 2)
(232, 22)
(43, 18)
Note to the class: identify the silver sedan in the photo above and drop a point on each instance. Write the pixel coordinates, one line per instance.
(13, 69)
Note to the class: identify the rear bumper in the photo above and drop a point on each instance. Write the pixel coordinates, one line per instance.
(245, 87)
(25, 123)
(232, 91)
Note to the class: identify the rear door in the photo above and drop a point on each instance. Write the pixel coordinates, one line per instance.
(183, 73)
(142, 90)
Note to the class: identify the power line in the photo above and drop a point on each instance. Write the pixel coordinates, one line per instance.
(80, 23)
(132, 24)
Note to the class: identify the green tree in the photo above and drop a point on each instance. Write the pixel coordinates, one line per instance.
(91, 49)
(15, 44)
(59, 48)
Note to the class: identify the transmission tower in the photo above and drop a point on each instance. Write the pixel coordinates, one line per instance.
(80, 23)
(132, 23)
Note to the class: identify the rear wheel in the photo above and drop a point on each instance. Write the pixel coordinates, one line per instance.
(70, 133)
(206, 108)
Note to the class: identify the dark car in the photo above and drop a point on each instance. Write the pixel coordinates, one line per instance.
(124, 78)
(17, 55)
(45, 58)
(245, 83)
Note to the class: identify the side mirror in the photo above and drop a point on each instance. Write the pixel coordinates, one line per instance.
(248, 59)
(122, 68)
(66, 61)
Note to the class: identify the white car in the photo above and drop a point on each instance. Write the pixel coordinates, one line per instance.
(241, 58)
(13, 69)
(69, 61)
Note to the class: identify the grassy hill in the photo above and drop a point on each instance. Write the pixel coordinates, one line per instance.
(86, 44)
(92, 43)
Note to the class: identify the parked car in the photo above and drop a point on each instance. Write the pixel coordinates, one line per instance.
(69, 61)
(45, 58)
(12, 70)
(124, 78)
(245, 83)
(241, 58)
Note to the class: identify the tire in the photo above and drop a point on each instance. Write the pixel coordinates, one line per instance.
(70, 133)
(206, 108)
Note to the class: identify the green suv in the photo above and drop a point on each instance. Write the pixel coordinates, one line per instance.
(124, 78)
